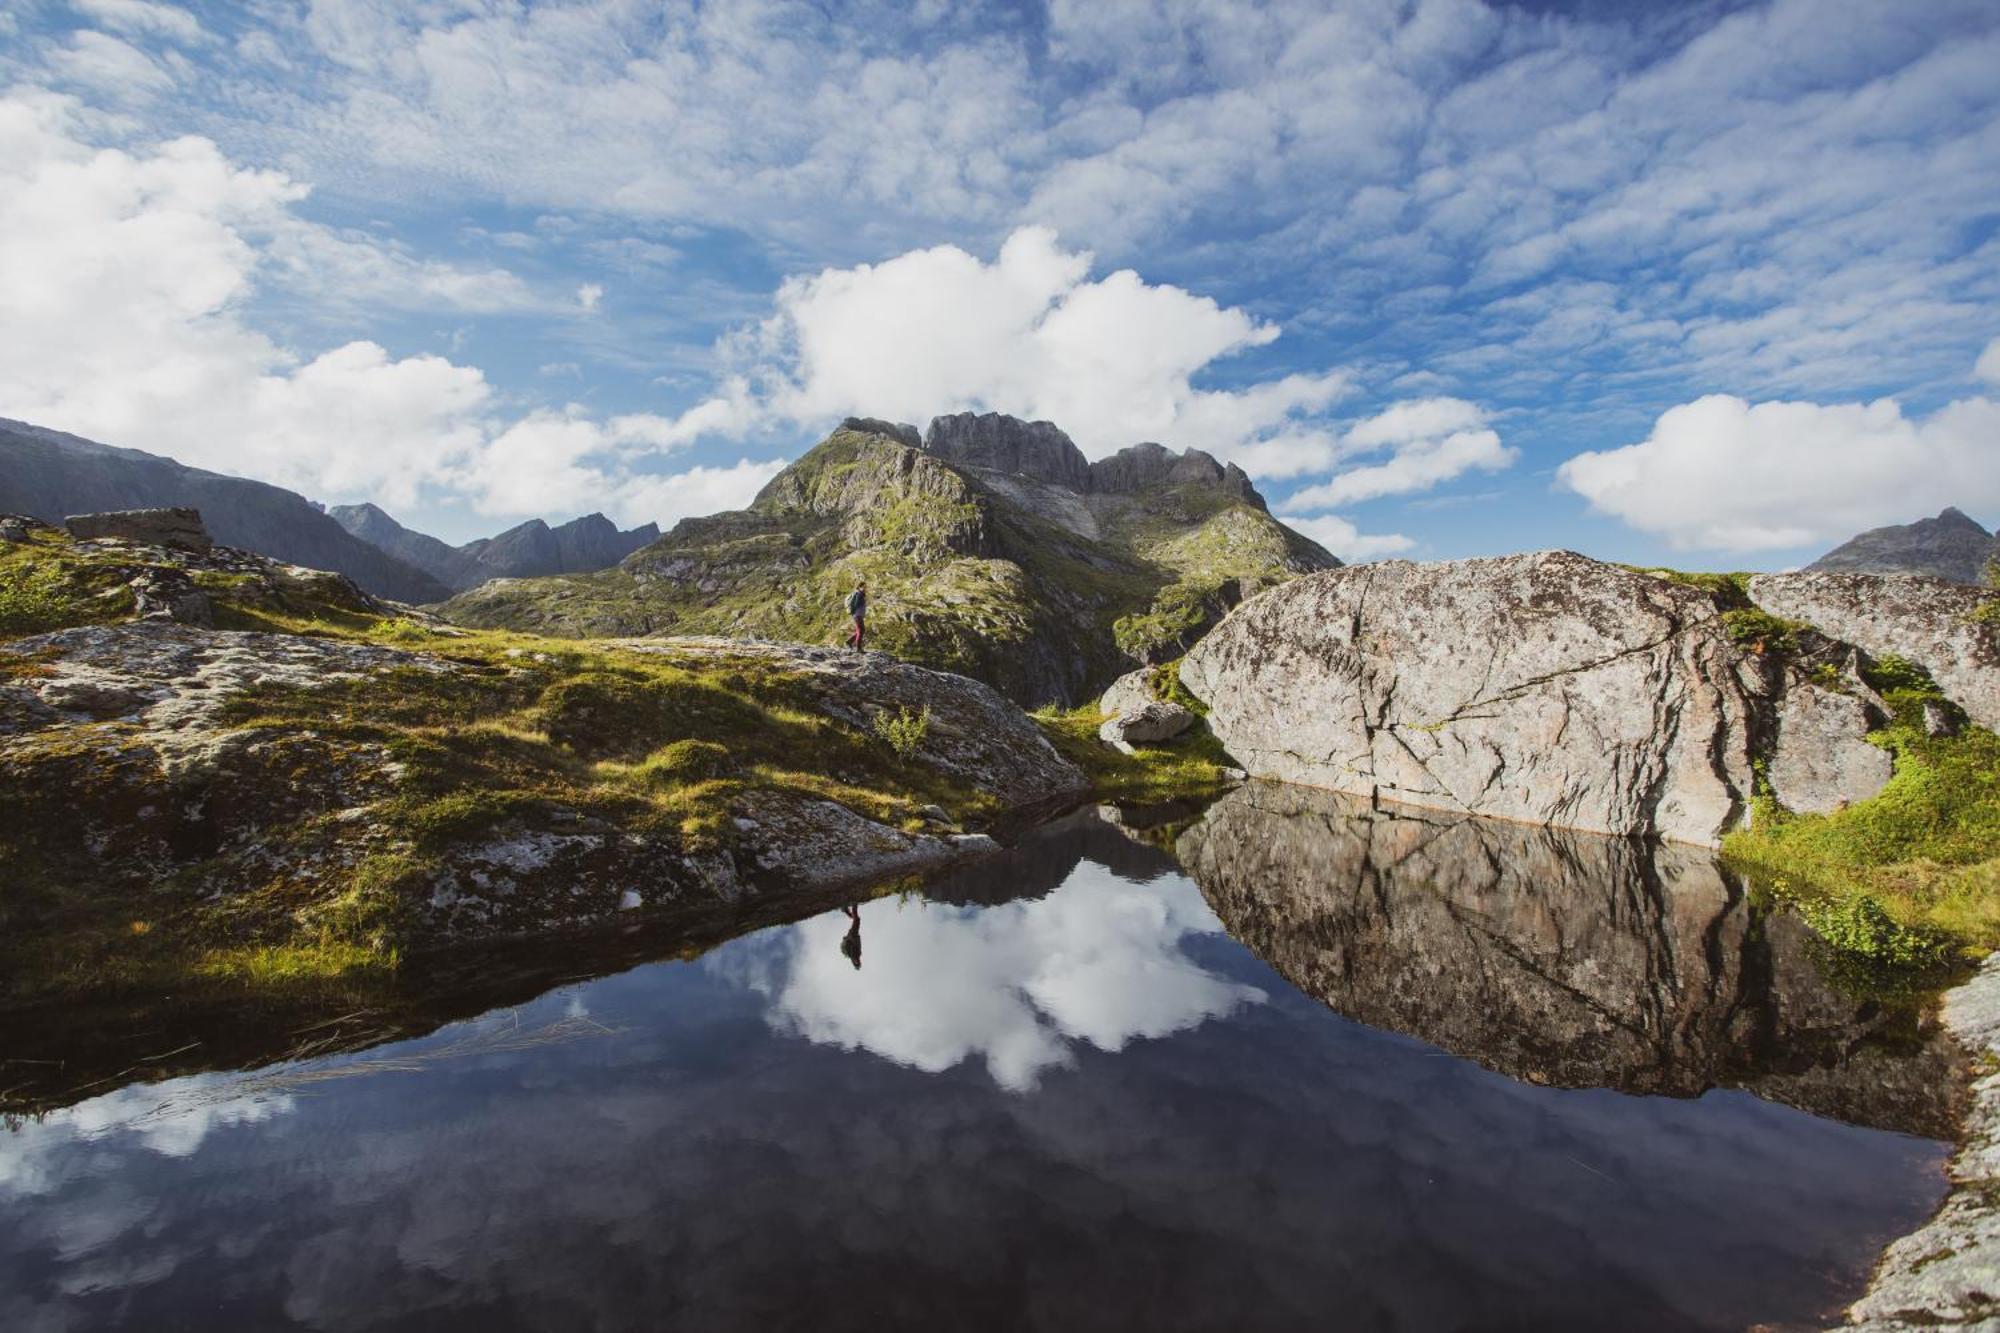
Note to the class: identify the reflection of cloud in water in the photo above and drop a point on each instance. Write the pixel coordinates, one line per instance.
(170, 1118)
(1097, 960)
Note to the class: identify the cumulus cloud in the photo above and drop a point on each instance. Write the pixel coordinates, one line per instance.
(1341, 537)
(123, 280)
(1112, 360)
(1724, 474)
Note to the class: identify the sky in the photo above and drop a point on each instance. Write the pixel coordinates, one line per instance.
(1714, 285)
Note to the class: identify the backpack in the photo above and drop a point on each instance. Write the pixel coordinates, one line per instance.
(857, 602)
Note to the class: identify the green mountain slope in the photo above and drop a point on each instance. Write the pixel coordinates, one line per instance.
(991, 547)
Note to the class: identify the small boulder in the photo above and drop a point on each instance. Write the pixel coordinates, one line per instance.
(1823, 761)
(179, 528)
(170, 594)
(1127, 694)
(1155, 721)
(1941, 720)
(16, 527)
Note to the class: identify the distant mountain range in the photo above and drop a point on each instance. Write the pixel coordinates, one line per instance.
(1950, 546)
(991, 547)
(50, 475)
(528, 550)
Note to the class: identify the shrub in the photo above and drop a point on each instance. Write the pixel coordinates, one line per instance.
(904, 730)
(34, 599)
(1760, 631)
(1889, 673)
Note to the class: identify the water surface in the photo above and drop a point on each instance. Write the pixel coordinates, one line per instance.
(1057, 1093)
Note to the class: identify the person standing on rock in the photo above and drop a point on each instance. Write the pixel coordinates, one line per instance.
(857, 607)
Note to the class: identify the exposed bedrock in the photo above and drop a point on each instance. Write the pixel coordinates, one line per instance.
(1557, 958)
(1544, 687)
(1951, 630)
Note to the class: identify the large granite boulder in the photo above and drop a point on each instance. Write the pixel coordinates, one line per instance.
(1129, 693)
(1951, 630)
(1545, 687)
(179, 528)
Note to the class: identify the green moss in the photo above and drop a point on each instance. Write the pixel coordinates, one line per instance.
(1192, 763)
(1729, 592)
(1164, 681)
(1925, 850)
(1179, 614)
(48, 583)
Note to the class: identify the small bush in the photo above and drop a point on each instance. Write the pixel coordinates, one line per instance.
(1889, 673)
(904, 730)
(1863, 928)
(1760, 631)
(685, 763)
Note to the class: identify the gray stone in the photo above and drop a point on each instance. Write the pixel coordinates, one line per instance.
(1146, 724)
(171, 594)
(1939, 720)
(1822, 760)
(1127, 694)
(181, 529)
(1947, 628)
(1546, 687)
(17, 527)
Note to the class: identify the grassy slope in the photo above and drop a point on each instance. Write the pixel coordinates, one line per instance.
(525, 726)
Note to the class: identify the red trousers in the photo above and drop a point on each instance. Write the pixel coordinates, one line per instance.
(858, 637)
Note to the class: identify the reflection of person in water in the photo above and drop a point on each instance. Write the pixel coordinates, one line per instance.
(851, 945)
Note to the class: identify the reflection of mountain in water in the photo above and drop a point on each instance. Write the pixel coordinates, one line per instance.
(1552, 957)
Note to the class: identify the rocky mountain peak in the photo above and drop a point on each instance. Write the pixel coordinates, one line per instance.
(1140, 467)
(1951, 546)
(1000, 443)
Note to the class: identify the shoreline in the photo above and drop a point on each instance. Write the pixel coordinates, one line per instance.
(1946, 1273)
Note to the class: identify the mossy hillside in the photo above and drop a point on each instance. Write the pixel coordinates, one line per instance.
(1912, 872)
(960, 578)
(522, 733)
(51, 581)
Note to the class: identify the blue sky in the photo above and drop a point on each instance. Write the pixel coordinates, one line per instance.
(1715, 285)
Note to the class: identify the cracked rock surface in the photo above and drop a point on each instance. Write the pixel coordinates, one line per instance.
(1546, 687)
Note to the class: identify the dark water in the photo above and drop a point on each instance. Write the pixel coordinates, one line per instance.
(1058, 1094)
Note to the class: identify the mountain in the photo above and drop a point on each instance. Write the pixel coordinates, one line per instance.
(589, 543)
(50, 475)
(991, 546)
(1950, 546)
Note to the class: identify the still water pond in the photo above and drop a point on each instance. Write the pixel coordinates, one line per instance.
(1322, 1069)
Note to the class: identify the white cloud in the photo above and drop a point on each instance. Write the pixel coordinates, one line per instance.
(123, 276)
(1342, 538)
(145, 18)
(1111, 360)
(110, 67)
(1724, 474)
(1432, 441)
(1988, 367)
(589, 294)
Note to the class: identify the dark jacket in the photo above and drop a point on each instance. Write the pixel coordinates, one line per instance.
(857, 603)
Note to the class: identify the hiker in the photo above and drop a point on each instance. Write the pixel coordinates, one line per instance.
(857, 607)
(851, 946)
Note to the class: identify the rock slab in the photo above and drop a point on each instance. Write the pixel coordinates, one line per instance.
(1545, 687)
(1145, 725)
(179, 528)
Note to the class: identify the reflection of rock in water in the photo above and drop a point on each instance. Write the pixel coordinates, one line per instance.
(1553, 957)
(1045, 857)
